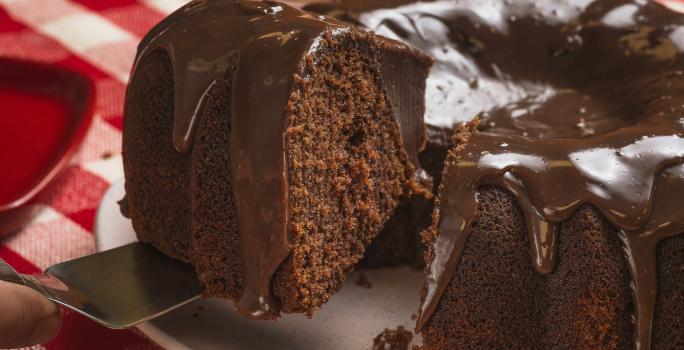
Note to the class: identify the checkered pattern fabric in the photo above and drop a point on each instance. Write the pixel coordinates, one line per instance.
(97, 38)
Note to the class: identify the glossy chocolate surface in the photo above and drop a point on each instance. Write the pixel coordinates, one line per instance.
(580, 102)
(596, 121)
(262, 44)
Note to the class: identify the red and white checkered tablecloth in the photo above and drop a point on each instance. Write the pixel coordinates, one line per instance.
(98, 38)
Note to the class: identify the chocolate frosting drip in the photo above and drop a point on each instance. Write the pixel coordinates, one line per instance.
(580, 102)
(586, 112)
(262, 44)
(486, 63)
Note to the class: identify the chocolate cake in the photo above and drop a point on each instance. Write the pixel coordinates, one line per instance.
(556, 223)
(268, 146)
(556, 226)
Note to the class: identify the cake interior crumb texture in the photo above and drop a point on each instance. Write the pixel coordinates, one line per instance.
(347, 168)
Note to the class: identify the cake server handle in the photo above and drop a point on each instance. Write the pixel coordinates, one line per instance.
(118, 288)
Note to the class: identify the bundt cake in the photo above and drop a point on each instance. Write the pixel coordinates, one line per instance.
(554, 226)
(268, 146)
(556, 223)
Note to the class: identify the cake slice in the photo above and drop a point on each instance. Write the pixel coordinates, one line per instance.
(268, 147)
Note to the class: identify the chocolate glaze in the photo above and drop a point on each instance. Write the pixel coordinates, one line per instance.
(478, 68)
(580, 102)
(263, 44)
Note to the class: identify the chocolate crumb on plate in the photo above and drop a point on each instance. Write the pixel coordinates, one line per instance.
(393, 339)
(363, 282)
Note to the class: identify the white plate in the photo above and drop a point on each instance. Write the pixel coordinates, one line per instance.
(352, 318)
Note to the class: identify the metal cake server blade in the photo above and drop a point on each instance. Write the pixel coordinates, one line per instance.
(117, 288)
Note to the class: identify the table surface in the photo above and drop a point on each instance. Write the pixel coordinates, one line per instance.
(52, 31)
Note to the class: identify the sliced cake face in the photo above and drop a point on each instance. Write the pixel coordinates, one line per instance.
(347, 170)
(581, 123)
(261, 144)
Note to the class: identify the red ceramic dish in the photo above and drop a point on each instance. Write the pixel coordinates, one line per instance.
(45, 112)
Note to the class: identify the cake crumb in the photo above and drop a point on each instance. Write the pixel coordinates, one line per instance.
(393, 339)
(198, 311)
(363, 281)
(414, 317)
(106, 155)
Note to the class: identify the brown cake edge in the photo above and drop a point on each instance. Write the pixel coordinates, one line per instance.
(369, 171)
(157, 177)
(497, 299)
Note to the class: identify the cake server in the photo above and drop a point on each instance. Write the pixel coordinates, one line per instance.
(117, 288)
